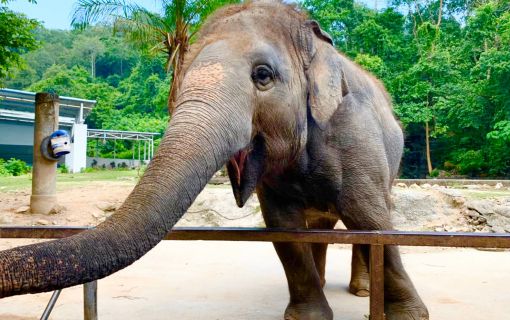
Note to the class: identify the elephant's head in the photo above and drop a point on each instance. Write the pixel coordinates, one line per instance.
(269, 65)
(252, 84)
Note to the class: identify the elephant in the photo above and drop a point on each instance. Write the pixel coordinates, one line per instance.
(264, 91)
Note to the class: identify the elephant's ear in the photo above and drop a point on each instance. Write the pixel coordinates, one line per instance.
(326, 83)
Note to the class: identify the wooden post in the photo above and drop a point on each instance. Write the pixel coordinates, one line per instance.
(376, 266)
(44, 171)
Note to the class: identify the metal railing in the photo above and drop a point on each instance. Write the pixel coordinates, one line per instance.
(376, 239)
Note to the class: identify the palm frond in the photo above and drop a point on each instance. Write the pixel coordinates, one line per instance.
(87, 12)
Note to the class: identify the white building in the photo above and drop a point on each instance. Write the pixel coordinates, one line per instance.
(17, 126)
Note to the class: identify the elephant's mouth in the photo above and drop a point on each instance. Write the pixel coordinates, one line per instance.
(237, 162)
(244, 170)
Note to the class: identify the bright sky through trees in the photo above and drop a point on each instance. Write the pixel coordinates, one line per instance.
(56, 14)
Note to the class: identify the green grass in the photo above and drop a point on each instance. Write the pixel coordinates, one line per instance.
(484, 194)
(65, 180)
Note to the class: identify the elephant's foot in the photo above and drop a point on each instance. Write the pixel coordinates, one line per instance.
(360, 287)
(406, 311)
(308, 311)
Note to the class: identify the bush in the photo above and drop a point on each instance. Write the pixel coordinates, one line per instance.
(89, 170)
(434, 173)
(471, 162)
(15, 167)
(63, 169)
(3, 169)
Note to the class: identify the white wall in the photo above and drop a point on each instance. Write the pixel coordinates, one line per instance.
(77, 159)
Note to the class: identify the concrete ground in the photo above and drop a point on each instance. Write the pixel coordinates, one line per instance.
(225, 280)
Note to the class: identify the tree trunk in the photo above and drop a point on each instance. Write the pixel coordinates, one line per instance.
(440, 14)
(93, 65)
(427, 146)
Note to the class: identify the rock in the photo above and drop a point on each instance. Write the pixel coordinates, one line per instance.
(97, 215)
(5, 220)
(414, 186)
(458, 201)
(486, 229)
(484, 207)
(439, 229)
(472, 213)
(498, 185)
(452, 229)
(498, 230)
(42, 222)
(23, 209)
(55, 223)
(57, 209)
(101, 220)
(472, 186)
(106, 206)
(127, 178)
(426, 186)
(401, 185)
(503, 210)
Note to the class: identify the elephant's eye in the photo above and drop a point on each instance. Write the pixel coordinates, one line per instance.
(263, 77)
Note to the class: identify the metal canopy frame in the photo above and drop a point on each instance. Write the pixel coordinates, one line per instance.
(24, 101)
(146, 137)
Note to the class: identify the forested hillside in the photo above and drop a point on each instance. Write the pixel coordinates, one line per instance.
(131, 87)
(446, 63)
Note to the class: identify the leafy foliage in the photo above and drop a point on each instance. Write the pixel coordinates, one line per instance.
(13, 167)
(170, 32)
(446, 64)
(16, 38)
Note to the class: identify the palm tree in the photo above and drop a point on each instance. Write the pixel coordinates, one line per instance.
(169, 32)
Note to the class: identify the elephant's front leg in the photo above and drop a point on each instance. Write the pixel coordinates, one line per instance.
(307, 300)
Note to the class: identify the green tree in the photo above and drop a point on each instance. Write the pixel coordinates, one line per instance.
(16, 38)
(169, 33)
(89, 48)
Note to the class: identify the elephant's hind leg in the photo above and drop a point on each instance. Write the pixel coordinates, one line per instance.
(319, 250)
(362, 212)
(360, 278)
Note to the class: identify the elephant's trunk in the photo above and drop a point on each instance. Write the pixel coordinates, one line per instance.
(200, 139)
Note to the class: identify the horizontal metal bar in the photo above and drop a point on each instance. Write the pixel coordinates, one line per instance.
(40, 232)
(402, 238)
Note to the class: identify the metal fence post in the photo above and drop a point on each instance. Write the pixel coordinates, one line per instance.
(90, 300)
(51, 304)
(376, 282)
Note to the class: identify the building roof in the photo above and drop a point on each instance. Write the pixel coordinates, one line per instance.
(18, 105)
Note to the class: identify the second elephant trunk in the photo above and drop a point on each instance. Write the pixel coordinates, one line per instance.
(199, 140)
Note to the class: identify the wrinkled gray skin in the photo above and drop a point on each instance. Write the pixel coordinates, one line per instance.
(265, 92)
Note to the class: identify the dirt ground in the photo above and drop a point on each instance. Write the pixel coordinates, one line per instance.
(221, 280)
(199, 280)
